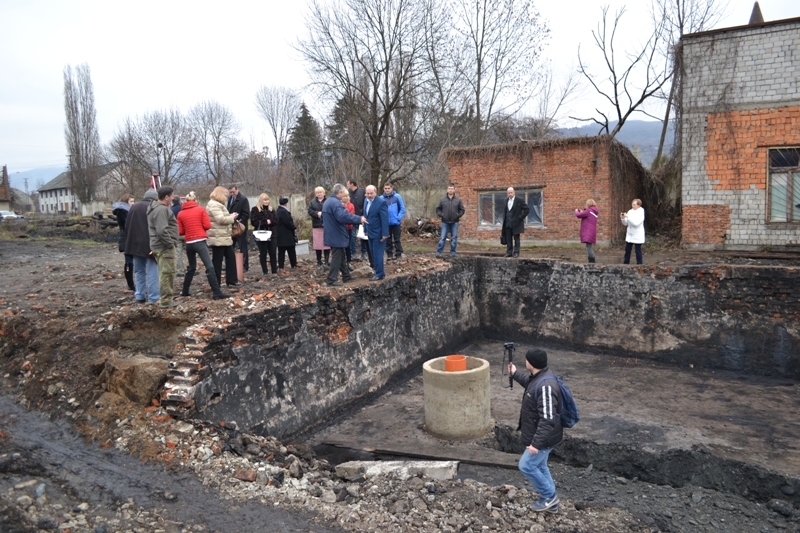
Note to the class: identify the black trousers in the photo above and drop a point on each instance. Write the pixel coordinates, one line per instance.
(282, 250)
(512, 241)
(268, 247)
(193, 249)
(394, 241)
(218, 253)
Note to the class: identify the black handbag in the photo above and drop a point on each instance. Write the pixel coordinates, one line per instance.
(503, 238)
(296, 240)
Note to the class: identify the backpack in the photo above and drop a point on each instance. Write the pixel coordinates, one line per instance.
(569, 409)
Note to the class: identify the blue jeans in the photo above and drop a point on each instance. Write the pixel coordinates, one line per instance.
(534, 467)
(146, 272)
(452, 228)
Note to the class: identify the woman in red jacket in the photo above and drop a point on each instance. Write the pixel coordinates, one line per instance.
(193, 222)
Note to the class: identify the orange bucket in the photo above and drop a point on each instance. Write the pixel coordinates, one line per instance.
(455, 363)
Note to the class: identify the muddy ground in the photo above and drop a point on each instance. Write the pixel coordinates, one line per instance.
(65, 312)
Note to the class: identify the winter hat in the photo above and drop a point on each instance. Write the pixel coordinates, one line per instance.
(283, 201)
(537, 358)
(151, 194)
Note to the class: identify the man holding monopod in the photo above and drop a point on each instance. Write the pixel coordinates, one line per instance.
(540, 422)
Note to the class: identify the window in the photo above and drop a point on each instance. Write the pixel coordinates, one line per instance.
(493, 204)
(784, 185)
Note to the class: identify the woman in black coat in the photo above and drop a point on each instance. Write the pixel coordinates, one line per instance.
(286, 229)
(120, 210)
(263, 217)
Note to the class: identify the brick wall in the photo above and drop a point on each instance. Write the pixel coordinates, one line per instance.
(740, 97)
(568, 172)
(706, 223)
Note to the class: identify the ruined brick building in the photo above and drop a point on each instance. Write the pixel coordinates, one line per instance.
(555, 177)
(741, 136)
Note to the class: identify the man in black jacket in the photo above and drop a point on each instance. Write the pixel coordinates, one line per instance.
(540, 422)
(450, 210)
(357, 199)
(515, 213)
(238, 203)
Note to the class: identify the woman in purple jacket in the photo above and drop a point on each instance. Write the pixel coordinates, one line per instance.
(589, 217)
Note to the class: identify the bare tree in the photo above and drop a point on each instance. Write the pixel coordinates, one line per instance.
(159, 142)
(215, 131)
(81, 133)
(503, 40)
(279, 107)
(167, 136)
(367, 55)
(551, 99)
(680, 17)
(628, 86)
(127, 146)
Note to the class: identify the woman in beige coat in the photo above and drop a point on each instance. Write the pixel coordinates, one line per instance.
(219, 236)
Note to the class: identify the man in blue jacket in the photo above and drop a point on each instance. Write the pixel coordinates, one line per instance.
(336, 234)
(397, 212)
(377, 213)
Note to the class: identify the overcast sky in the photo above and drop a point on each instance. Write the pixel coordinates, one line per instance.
(155, 54)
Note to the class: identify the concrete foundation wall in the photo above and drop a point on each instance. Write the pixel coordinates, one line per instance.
(283, 369)
(737, 318)
(286, 368)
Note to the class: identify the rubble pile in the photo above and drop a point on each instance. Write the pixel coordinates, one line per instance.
(242, 466)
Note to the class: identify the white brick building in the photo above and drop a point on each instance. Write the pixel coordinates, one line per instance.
(741, 136)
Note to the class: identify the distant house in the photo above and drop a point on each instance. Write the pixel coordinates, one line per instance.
(555, 177)
(57, 196)
(740, 122)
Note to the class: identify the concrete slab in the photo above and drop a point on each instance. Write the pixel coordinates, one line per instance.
(403, 469)
(623, 402)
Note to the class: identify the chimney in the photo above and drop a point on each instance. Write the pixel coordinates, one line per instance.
(756, 17)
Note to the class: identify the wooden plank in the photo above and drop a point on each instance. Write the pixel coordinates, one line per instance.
(481, 457)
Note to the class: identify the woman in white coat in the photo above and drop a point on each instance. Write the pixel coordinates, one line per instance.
(634, 219)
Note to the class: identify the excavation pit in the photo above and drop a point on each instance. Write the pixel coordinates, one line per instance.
(717, 345)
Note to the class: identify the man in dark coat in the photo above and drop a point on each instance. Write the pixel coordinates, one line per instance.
(137, 244)
(377, 214)
(337, 236)
(450, 210)
(357, 199)
(238, 203)
(180, 250)
(515, 213)
(540, 423)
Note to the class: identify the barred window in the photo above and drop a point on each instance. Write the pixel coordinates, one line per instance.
(784, 185)
(492, 206)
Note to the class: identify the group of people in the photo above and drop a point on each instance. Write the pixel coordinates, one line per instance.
(335, 223)
(156, 233)
(633, 220)
(355, 199)
(155, 244)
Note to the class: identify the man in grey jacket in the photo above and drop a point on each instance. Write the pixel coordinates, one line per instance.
(164, 238)
(450, 210)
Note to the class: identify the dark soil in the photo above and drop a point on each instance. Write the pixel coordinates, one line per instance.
(65, 310)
